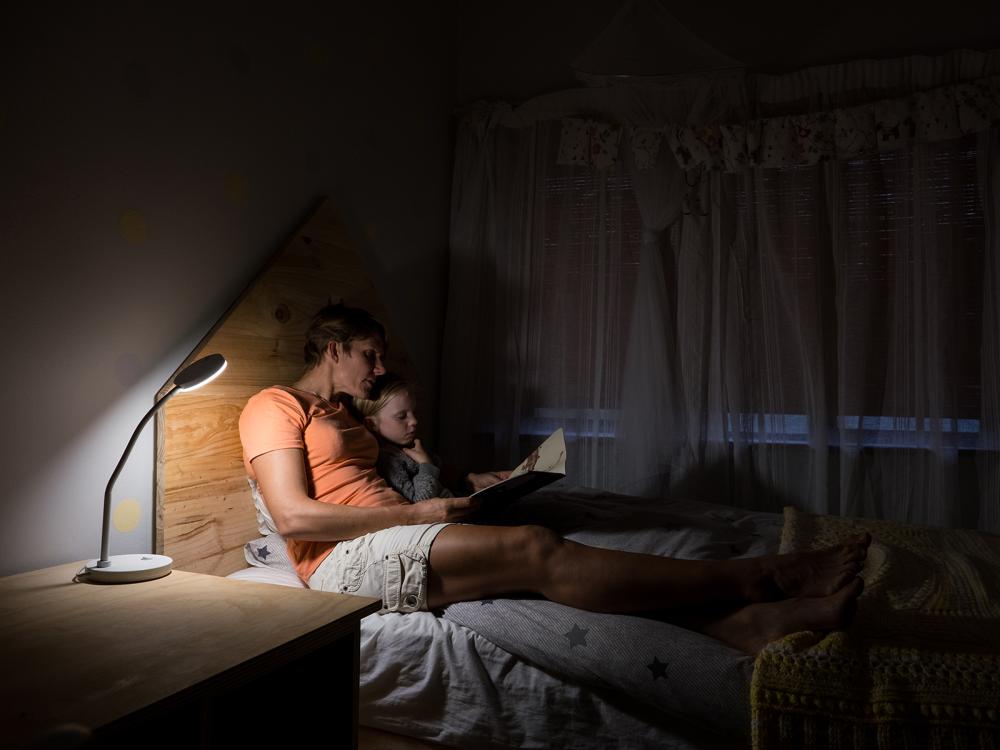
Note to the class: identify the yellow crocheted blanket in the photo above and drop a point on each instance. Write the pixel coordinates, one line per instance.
(920, 664)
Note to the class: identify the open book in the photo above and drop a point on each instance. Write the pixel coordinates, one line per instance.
(544, 465)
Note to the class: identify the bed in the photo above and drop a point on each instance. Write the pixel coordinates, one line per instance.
(523, 672)
(530, 673)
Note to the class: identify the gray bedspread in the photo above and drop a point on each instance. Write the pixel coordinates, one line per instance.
(678, 672)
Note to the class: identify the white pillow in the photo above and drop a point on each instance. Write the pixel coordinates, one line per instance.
(268, 552)
(265, 524)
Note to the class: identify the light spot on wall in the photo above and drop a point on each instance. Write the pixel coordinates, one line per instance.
(132, 226)
(126, 515)
(237, 188)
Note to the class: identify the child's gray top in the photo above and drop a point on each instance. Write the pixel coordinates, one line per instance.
(411, 480)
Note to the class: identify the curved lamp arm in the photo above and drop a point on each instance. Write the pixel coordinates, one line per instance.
(105, 535)
(193, 376)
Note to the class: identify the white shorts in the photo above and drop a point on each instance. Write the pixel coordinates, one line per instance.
(390, 564)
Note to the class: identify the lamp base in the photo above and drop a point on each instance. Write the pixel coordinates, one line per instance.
(129, 568)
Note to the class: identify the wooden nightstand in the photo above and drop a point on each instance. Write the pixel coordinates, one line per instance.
(186, 661)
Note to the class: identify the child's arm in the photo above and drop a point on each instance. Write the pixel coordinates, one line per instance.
(426, 481)
(414, 481)
(391, 466)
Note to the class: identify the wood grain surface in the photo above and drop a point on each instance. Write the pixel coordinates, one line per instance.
(90, 654)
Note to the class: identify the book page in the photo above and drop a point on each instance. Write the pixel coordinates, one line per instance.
(549, 457)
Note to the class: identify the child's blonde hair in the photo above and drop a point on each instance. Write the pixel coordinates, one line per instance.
(385, 388)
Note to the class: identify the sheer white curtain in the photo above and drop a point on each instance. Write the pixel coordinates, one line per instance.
(910, 332)
(556, 278)
(651, 416)
(989, 447)
(836, 345)
(542, 277)
(849, 340)
(823, 336)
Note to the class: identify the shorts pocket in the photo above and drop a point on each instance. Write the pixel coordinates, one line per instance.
(351, 564)
(405, 582)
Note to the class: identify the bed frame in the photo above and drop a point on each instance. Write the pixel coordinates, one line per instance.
(203, 510)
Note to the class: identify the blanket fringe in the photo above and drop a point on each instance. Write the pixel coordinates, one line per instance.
(781, 729)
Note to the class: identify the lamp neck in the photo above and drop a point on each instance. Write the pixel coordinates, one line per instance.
(103, 562)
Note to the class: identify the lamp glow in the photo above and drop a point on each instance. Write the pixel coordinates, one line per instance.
(135, 568)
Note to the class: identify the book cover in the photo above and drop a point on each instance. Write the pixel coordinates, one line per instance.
(544, 465)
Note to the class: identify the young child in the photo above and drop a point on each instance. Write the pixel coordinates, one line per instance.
(402, 461)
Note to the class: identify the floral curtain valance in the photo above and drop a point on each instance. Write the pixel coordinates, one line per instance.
(936, 114)
(598, 143)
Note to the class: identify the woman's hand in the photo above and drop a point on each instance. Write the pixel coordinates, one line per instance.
(417, 453)
(478, 482)
(443, 509)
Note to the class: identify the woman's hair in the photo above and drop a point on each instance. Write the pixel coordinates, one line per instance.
(385, 388)
(342, 324)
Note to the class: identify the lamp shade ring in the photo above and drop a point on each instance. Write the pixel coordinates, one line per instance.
(201, 372)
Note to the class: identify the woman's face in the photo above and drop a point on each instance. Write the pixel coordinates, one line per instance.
(396, 421)
(356, 368)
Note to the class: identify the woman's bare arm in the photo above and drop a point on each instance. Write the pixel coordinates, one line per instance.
(282, 479)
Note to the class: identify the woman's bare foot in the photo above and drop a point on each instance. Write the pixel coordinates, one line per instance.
(754, 626)
(812, 573)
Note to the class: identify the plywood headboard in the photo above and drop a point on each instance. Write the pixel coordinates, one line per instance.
(203, 510)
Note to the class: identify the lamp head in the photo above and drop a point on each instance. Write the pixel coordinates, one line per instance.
(197, 374)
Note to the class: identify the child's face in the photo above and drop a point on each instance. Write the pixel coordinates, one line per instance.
(396, 421)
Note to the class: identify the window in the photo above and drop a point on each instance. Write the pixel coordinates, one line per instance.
(591, 238)
(890, 314)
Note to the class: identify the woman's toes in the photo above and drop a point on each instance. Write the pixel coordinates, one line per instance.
(817, 573)
(833, 611)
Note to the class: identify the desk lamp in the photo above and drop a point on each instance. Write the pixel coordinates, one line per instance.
(135, 568)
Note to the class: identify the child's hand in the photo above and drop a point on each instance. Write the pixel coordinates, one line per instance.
(417, 453)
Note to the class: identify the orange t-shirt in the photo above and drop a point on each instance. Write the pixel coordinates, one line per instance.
(340, 456)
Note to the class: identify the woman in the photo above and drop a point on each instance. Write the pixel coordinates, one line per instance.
(348, 531)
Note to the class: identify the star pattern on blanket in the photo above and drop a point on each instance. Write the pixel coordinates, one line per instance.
(658, 668)
(263, 552)
(577, 636)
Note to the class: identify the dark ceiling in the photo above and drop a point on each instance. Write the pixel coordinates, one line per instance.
(783, 36)
(521, 48)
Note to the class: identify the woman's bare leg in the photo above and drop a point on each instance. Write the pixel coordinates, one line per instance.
(473, 562)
